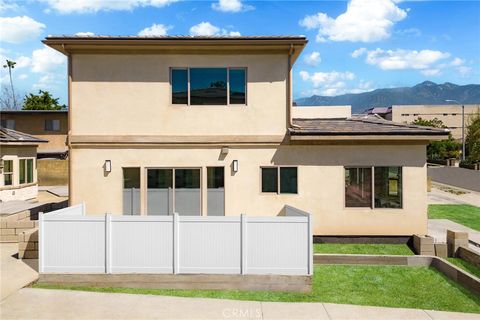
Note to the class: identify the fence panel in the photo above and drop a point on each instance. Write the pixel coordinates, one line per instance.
(73, 244)
(142, 245)
(209, 245)
(277, 245)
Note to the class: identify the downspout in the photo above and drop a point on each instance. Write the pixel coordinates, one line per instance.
(69, 133)
(289, 87)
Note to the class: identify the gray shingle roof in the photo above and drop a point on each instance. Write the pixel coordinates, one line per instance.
(9, 135)
(360, 126)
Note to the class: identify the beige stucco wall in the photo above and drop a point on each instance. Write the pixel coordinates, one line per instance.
(320, 182)
(130, 95)
(451, 115)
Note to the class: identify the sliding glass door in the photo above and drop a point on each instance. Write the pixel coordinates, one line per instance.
(173, 190)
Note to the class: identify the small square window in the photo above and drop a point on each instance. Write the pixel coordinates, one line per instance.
(288, 180)
(280, 180)
(52, 125)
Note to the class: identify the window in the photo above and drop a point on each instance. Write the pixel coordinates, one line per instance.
(7, 172)
(8, 123)
(52, 125)
(382, 185)
(173, 190)
(237, 86)
(25, 171)
(131, 191)
(358, 187)
(208, 86)
(179, 86)
(283, 177)
(388, 187)
(215, 191)
(22, 170)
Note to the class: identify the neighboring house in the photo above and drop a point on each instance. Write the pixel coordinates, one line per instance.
(204, 126)
(18, 169)
(451, 115)
(51, 125)
(384, 112)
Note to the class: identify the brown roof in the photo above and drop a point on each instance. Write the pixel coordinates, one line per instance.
(9, 135)
(360, 126)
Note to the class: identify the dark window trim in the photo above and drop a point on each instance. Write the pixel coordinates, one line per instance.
(372, 182)
(278, 179)
(228, 86)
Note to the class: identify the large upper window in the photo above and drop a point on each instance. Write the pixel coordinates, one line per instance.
(279, 180)
(373, 187)
(208, 86)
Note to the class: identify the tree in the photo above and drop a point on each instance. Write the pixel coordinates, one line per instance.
(8, 99)
(11, 65)
(440, 150)
(472, 141)
(42, 101)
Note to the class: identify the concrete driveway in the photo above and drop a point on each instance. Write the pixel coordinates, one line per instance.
(31, 303)
(15, 274)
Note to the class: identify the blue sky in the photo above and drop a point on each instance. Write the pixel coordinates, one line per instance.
(354, 46)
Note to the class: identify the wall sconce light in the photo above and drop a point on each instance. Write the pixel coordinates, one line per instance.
(224, 150)
(108, 166)
(235, 165)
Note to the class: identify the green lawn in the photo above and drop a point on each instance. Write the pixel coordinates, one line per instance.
(384, 249)
(460, 213)
(465, 265)
(388, 286)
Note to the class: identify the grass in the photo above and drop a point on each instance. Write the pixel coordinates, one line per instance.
(460, 213)
(465, 265)
(387, 286)
(384, 249)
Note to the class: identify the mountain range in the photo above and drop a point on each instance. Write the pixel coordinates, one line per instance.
(427, 92)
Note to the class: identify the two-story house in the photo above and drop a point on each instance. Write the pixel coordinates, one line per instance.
(204, 126)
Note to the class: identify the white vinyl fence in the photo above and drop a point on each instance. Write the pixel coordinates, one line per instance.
(72, 242)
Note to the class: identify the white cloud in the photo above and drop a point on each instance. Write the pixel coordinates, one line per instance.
(328, 83)
(413, 32)
(155, 30)
(47, 60)
(85, 34)
(20, 29)
(313, 58)
(464, 71)
(231, 6)
(357, 53)
(401, 59)
(22, 62)
(457, 62)
(8, 6)
(23, 76)
(205, 28)
(93, 6)
(364, 21)
(431, 72)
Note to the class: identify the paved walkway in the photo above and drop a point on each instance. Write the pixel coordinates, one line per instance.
(14, 274)
(31, 303)
(459, 177)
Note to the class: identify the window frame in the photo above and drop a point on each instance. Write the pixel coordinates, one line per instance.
(34, 165)
(10, 173)
(372, 182)
(278, 180)
(224, 188)
(207, 105)
(52, 126)
(5, 122)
